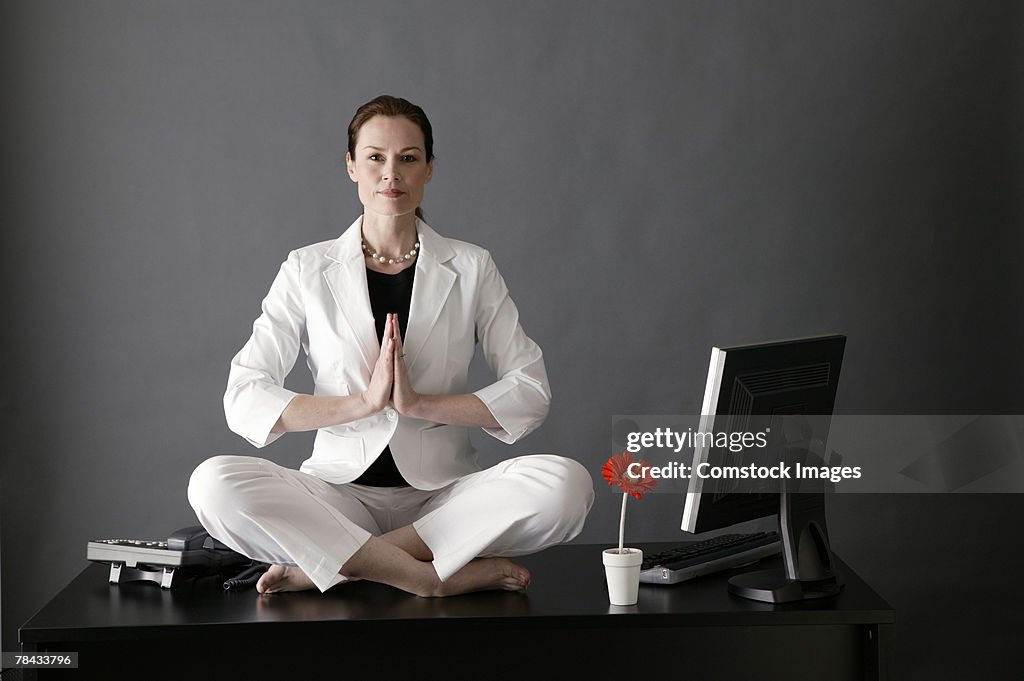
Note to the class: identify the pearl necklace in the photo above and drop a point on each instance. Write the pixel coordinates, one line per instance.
(390, 261)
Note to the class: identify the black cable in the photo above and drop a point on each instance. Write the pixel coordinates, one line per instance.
(246, 577)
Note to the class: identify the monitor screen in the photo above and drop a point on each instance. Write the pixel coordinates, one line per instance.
(775, 389)
(749, 389)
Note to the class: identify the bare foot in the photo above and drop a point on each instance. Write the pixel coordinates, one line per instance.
(485, 574)
(284, 578)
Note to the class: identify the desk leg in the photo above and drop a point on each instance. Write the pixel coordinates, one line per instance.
(27, 673)
(877, 652)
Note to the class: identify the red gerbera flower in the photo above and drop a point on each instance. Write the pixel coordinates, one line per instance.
(616, 472)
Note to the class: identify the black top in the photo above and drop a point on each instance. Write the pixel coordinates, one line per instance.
(388, 293)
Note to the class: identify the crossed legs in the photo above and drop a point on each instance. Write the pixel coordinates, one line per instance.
(317, 534)
(400, 559)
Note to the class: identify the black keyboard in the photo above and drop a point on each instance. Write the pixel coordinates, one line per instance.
(710, 555)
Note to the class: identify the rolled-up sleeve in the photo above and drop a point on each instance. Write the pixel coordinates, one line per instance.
(256, 396)
(521, 397)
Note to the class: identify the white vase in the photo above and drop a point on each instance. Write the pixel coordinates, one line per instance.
(622, 571)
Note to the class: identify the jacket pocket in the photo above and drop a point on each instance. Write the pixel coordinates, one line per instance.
(445, 442)
(334, 453)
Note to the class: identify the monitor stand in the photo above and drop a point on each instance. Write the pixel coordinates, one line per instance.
(809, 566)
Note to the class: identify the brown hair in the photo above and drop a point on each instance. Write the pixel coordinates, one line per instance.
(386, 105)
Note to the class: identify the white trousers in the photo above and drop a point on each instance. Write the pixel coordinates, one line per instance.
(282, 516)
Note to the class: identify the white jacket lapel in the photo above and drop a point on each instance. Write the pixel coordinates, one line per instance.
(431, 286)
(347, 283)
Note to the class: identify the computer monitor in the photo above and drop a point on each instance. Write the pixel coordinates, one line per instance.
(751, 388)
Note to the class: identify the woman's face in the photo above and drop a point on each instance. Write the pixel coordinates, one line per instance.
(390, 165)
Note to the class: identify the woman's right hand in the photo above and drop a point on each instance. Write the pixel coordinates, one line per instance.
(378, 393)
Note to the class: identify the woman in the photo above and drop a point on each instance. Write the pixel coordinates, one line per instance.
(389, 315)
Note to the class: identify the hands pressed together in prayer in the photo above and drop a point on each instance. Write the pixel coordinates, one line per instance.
(389, 385)
(389, 382)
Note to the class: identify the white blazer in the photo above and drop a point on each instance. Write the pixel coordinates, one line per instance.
(319, 302)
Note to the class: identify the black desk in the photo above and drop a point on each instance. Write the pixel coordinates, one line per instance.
(562, 625)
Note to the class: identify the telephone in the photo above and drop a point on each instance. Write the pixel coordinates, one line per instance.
(189, 552)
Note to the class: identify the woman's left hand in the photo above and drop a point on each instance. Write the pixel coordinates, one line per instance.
(402, 394)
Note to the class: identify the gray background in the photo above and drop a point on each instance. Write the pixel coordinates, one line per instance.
(652, 179)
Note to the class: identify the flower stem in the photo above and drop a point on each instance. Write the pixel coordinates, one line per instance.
(622, 521)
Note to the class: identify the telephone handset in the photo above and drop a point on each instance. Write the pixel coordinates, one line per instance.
(190, 551)
(193, 537)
